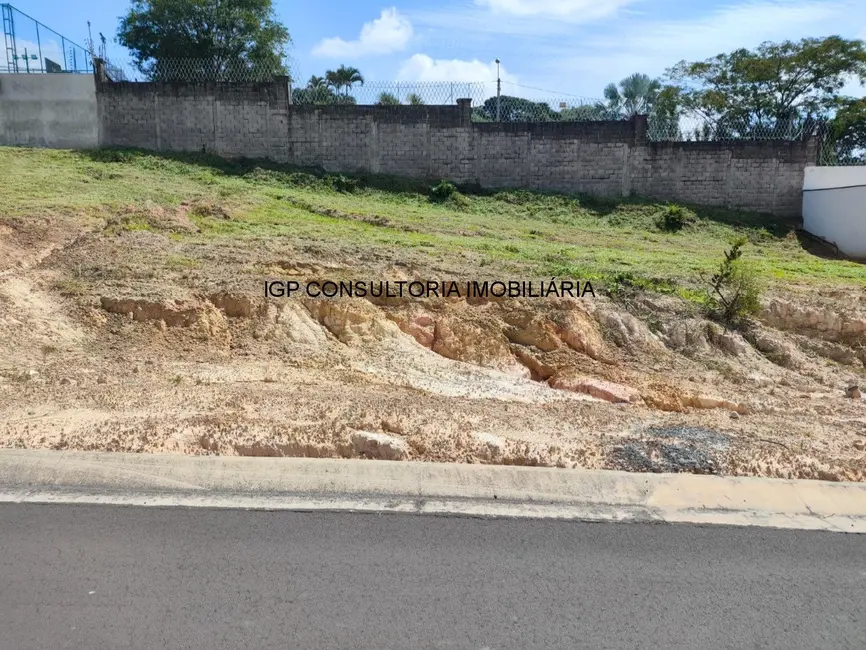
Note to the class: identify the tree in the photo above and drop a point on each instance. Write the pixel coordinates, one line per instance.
(773, 89)
(320, 95)
(414, 99)
(204, 39)
(847, 133)
(387, 99)
(515, 109)
(636, 95)
(343, 78)
(317, 82)
(587, 113)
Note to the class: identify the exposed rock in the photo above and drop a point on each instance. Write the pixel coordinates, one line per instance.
(352, 320)
(580, 332)
(490, 447)
(179, 314)
(379, 445)
(827, 324)
(729, 342)
(598, 388)
(420, 325)
(774, 348)
(468, 341)
(526, 328)
(626, 330)
(290, 322)
(236, 306)
(707, 402)
(688, 334)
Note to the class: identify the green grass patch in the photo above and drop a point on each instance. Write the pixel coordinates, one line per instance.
(625, 243)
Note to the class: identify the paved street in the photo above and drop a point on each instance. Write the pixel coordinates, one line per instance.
(94, 577)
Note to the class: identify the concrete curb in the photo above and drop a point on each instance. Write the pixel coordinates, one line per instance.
(38, 476)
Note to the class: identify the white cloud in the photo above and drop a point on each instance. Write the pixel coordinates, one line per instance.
(388, 33)
(585, 9)
(653, 46)
(421, 67)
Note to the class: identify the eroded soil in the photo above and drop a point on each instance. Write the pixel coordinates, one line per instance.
(122, 340)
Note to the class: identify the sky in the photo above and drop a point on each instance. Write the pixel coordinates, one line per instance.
(547, 48)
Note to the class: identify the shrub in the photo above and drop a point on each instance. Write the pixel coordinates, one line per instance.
(674, 218)
(443, 191)
(342, 183)
(735, 289)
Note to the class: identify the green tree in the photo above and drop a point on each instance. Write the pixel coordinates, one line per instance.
(387, 99)
(204, 39)
(414, 99)
(846, 141)
(635, 95)
(587, 113)
(343, 78)
(515, 109)
(773, 89)
(317, 82)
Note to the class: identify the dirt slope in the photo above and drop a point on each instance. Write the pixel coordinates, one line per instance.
(103, 349)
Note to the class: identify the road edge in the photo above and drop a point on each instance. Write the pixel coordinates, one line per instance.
(302, 484)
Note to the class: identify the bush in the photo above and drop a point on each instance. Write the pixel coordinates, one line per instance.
(342, 183)
(674, 218)
(735, 289)
(443, 191)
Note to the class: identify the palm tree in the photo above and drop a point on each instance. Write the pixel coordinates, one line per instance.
(344, 78)
(317, 82)
(414, 99)
(387, 99)
(636, 95)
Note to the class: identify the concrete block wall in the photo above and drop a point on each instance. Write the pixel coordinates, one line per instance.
(610, 158)
(233, 120)
(48, 110)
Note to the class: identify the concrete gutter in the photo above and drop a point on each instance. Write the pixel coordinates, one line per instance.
(38, 476)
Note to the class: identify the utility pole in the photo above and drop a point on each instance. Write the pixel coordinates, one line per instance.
(498, 94)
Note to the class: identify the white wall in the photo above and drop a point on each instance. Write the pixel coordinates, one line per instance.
(834, 207)
(48, 110)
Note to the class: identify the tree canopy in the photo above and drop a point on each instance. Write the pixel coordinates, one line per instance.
(635, 95)
(775, 86)
(204, 39)
(343, 78)
(516, 109)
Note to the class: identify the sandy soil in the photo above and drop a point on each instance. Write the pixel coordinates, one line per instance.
(107, 345)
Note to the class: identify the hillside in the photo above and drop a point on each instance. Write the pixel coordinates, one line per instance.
(133, 318)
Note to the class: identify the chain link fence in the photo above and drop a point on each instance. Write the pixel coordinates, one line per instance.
(29, 47)
(514, 103)
(393, 93)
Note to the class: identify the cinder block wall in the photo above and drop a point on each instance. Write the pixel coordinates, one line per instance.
(432, 142)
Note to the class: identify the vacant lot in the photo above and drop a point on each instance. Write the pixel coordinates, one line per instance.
(132, 317)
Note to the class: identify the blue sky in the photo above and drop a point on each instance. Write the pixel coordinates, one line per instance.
(570, 47)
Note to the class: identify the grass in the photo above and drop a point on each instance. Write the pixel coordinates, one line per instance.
(619, 243)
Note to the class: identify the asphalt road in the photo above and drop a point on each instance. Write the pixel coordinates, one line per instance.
(94, 577)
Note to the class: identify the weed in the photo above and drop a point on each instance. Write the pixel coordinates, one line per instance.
(181, 262)
(69, 287)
